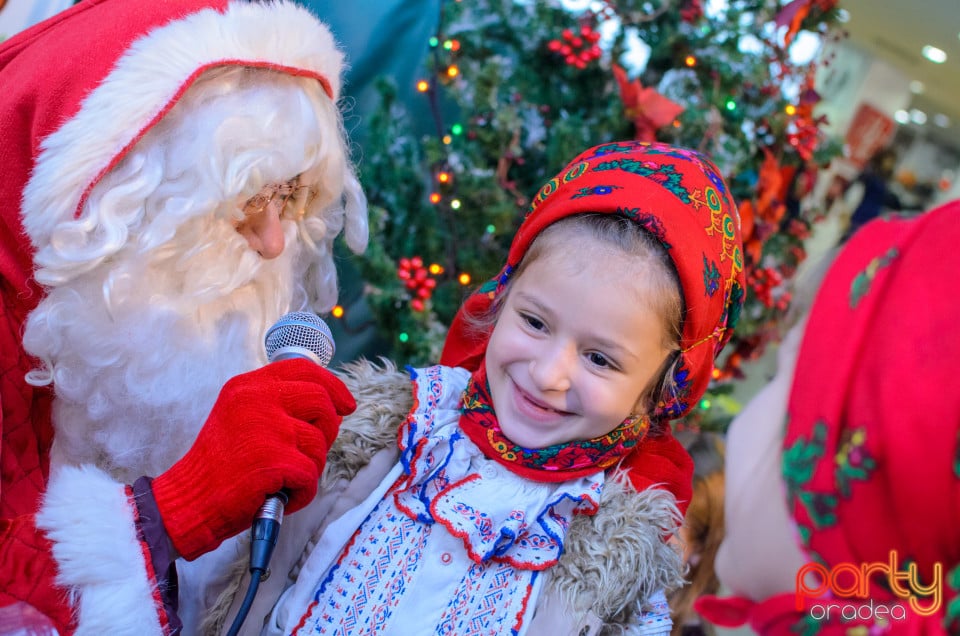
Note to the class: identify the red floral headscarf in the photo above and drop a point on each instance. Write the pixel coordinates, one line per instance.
(871, 457)
(871, 450)
(680, 198)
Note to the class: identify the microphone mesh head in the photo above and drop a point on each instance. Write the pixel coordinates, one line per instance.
(300, 334)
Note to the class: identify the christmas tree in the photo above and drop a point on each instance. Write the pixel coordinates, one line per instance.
(517, 88)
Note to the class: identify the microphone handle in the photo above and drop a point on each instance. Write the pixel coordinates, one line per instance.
(289, 332)
(295, 338)
(266, 530)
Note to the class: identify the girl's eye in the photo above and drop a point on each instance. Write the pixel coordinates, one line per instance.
(533, 322)
(599, 359)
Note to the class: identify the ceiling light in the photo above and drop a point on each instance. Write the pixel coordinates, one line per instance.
(901, 117)
(918, 116)
(935, 55)
(916, 87)
(941, 120)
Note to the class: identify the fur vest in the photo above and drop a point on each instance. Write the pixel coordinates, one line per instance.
(613, 561)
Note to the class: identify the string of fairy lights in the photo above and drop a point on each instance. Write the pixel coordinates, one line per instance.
(419, 278)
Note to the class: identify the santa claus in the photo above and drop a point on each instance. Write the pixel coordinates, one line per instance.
(175, 174)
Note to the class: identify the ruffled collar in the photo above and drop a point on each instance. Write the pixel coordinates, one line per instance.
(499, 515)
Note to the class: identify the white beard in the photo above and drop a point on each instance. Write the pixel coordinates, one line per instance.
(140, 347)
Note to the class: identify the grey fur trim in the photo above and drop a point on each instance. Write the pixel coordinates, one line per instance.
(384, 398)
(615, 560)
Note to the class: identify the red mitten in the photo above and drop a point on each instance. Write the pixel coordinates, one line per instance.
(270, 429)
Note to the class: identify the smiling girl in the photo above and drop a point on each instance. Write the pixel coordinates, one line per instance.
(578, 349)
(529, 483)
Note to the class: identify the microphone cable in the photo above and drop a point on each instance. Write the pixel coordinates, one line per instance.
(264, 534)
(247, 604)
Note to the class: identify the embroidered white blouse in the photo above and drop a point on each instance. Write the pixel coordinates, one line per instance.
(450, 542)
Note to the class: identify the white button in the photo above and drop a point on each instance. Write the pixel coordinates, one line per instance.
(489, 470)
(446, 558)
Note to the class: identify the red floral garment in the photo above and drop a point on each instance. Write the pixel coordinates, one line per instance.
(871, 451)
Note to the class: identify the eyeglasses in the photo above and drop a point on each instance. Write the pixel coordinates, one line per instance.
(292, 197)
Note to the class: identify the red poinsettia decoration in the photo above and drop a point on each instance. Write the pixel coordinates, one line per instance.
(649, 110)
(761, 214)
(770, 188)
(796, 12)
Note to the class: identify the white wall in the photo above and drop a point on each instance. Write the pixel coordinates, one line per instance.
(852, 77)
(848, 76)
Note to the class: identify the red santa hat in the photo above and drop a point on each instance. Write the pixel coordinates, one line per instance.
(80, 89)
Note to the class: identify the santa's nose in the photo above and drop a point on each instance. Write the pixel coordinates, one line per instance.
(264, 232)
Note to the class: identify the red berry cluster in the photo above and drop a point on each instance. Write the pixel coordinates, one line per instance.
(577, 50)
(798, 253)
(732, 367)
(798, 229)
(764, 281)
(744, 351)
(417, 279)
(691, 11)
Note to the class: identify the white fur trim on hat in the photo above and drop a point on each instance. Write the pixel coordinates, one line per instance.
(148, 79)
(90, 521)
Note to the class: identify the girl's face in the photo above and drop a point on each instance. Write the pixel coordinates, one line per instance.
(574, 347)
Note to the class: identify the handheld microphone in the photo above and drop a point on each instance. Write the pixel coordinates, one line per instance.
(298, 334)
